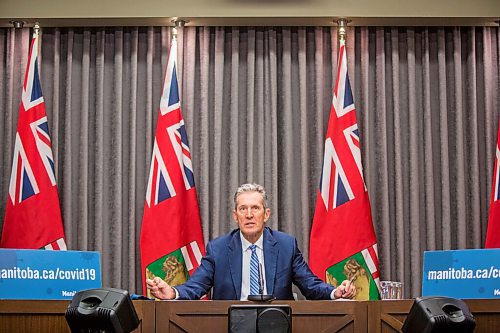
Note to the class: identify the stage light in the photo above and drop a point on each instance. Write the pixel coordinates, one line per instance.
(439, 315)
(101, 310)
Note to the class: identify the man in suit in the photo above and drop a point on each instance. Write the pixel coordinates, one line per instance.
(233, 264)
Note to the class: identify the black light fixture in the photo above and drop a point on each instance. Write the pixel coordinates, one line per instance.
(17, 24)
(437, 314)
(101, 310)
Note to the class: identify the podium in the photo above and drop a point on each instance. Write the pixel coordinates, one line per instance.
(211, 316)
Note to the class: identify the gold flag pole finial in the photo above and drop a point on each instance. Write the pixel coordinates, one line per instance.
(36, 29)
(342, 23)
(178, 23)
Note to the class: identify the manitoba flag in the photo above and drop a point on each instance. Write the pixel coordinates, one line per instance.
(32, 216)
(171, 237)
(493, 233)
(343, 244)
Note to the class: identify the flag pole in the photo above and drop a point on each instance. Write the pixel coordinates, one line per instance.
(36, 29)
(356, 258)
(342, 24)
(41, 214)
(171, 190)
(178, 23)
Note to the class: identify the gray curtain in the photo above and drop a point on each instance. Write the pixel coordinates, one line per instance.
(256, 103)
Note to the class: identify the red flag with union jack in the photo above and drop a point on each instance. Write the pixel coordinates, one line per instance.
(171, 236)
(493, 232)
(343, 244)
(33, 216)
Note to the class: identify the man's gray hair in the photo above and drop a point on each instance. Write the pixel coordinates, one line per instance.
(251, 187)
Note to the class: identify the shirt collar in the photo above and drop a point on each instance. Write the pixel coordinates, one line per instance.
(245, 243)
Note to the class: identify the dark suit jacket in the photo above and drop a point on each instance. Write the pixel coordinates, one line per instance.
(221, 269)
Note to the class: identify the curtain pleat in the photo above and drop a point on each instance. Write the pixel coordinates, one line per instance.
(256, 103)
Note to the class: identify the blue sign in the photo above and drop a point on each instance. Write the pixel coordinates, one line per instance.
(46, 274)
(462, 273)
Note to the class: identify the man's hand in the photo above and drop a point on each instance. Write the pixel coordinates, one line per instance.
(160, 289)
(345, 290)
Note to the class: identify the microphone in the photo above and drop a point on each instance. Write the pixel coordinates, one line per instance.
(261, 297)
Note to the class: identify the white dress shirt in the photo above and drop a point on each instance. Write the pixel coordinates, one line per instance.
(245, 267)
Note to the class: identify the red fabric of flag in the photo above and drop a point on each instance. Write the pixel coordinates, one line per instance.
(171, 236)
(33, 216)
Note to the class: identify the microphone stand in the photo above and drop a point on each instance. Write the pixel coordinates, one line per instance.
(261, 297)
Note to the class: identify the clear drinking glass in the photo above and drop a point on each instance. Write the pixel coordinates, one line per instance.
(397, 290)
(385, 289)
(391, 290)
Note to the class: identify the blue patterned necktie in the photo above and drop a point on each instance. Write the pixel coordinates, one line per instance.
(254, 271)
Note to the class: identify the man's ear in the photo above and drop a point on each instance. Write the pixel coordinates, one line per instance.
(235, 217)
(267, 214)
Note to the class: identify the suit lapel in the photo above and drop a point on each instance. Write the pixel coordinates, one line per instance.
(235, 262)
(270, 259)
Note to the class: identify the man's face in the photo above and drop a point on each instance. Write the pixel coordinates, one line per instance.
(251, 215)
